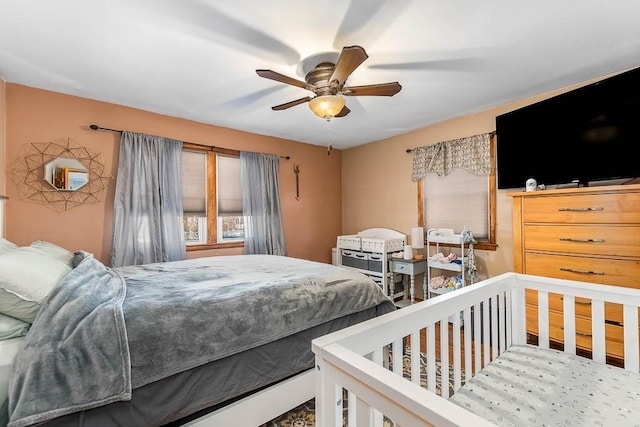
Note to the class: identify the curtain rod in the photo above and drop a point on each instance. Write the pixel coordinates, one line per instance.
(96, 127)
(492, 133)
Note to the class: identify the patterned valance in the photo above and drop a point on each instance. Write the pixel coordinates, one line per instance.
(471, 153)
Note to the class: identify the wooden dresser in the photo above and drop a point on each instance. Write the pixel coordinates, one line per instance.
(587, 234)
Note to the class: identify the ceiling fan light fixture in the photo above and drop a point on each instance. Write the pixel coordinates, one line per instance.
(327, 106)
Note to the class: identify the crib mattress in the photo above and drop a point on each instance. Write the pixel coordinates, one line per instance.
(530, 386)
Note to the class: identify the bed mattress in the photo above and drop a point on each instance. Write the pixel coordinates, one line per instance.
(147, 345)
(172, 400)
(527, 385)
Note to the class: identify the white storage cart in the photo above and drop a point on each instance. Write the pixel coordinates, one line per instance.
(369, 252)
(437, 240)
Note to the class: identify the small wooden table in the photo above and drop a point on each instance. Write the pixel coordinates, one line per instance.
(410, 267)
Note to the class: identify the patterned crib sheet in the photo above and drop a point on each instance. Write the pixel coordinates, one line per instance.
(529, 386)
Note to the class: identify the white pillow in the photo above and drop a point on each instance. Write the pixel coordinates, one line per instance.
(53, 250)
(10, 327)
(6, 246)
(26, 277)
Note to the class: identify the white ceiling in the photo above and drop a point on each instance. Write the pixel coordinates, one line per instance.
(196, 59)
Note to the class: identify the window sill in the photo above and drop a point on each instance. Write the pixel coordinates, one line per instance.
(206, 246)
(485, 246)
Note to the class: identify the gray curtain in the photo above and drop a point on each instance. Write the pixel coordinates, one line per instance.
(261, 204)
(147, 225)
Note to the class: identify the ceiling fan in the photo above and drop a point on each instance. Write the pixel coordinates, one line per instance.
(327, 82)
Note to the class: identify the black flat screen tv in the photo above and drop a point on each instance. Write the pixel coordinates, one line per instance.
(586, 136)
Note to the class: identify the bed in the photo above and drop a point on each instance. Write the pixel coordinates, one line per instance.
(183, 343)
(499, 374)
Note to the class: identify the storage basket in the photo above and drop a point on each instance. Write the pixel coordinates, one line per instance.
(355, 259)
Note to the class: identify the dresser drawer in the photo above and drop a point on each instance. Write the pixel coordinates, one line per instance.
(605, 208)
(584, 239)
(614, 334)
(411, 268)
(593, 270)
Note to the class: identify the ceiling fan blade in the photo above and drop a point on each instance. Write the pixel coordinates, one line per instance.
(291, 104)
(363, 20)
(345, 110)
(454, 64)
(381, 89)
(205, 20)
(272, 75)
(251, 98)
(462, 60)
(350, 58)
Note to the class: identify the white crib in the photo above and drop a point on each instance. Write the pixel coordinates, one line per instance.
(364, 362)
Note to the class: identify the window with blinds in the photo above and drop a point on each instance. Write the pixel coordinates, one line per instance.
(459, 200)
(212, 202)
(194, 196)
(229, 199)
(194, 182)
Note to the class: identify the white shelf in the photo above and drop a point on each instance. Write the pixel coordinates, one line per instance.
(369, 252)
(450, 266)
(453, 239)
(438, 237)
(440, 291)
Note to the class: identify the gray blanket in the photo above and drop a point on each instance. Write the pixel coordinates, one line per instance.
(178, 316)
(75, 355)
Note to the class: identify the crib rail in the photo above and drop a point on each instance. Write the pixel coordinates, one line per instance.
(376, 366)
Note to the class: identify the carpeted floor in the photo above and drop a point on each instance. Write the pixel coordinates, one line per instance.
(304, 415)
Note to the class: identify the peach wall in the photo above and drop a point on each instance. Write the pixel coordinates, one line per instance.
(33, 115)
(3, 154)
(377, 189)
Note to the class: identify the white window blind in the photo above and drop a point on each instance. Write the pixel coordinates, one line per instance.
(194, 182)
(459, 200)
(228, 191)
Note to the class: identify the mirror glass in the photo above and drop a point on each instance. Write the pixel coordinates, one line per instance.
(65, 174)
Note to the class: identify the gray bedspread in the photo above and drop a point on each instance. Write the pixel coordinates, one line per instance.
(91, 344)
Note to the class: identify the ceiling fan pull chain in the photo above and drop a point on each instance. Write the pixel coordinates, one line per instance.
(330, 147)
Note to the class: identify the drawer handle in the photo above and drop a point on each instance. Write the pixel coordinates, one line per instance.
(584, 334)
(575, 270)
(579, 209)
(574, 239)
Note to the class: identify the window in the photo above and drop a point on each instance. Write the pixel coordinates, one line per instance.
(212, 198)
(461, 200)
(194, 200)
(230, 224)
